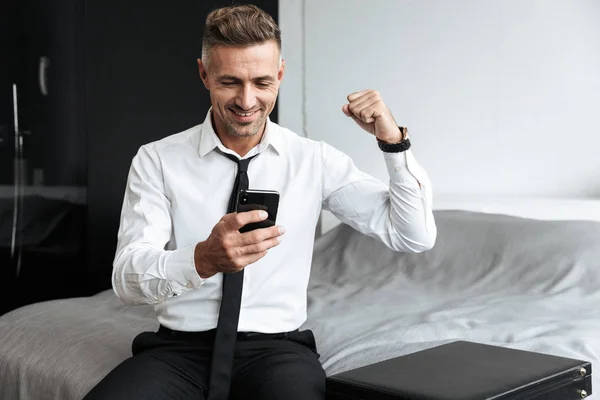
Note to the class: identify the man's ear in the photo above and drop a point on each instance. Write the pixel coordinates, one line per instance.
(281, 70)
(203, 73)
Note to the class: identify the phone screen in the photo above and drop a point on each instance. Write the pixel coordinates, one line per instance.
(267, 200)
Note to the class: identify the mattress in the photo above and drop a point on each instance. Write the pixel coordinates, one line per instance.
(490, 278)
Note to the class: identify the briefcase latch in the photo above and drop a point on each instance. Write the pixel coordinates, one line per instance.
(582, 393)
(582, 371)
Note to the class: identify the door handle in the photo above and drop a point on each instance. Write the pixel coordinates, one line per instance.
(15, 249)
(42, 75)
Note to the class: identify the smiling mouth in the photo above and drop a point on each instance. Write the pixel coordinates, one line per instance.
(244, 114)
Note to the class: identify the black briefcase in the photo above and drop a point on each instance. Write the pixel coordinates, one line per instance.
(466, 371)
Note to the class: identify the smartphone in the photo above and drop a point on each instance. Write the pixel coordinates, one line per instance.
(267, 200)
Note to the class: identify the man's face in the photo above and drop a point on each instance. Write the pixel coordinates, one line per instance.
(243, 84)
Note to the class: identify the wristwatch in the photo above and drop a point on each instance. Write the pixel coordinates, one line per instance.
(399, 147)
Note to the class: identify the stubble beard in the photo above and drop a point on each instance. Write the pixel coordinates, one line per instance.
(231, 127)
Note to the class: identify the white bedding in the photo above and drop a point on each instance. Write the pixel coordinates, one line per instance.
(497, 279)
(509, 281)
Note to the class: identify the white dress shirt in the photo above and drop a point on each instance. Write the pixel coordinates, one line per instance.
(178, 188)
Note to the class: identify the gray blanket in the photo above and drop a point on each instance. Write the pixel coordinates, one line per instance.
(495, 279)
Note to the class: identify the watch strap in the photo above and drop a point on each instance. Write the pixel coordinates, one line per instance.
(399, 147)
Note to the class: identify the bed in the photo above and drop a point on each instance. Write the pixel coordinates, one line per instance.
(524, 275)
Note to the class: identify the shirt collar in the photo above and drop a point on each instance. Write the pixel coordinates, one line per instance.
(209, 139)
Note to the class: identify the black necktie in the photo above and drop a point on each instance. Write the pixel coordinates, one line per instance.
(229, 314)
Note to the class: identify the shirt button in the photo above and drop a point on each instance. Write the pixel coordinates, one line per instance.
(189, 285)
(398, 169)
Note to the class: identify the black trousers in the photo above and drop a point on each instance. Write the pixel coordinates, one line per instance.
(175, 365)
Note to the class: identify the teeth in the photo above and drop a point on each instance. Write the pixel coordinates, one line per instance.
(244, 114)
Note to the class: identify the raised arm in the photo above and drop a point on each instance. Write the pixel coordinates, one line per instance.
(400, 213)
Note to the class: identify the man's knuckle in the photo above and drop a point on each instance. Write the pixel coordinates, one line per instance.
(255, 237)
(226, 243)
(231, 253)
(264, 246)
(238, 219)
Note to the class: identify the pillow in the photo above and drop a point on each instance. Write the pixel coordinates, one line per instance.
(474, 250)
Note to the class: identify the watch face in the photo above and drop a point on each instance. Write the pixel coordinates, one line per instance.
(404, 131)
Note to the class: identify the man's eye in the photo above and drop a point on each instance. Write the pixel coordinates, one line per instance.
(263, 84)
(228, 83)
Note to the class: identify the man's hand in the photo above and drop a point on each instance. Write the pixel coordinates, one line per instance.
(369, 111)
(227, 250)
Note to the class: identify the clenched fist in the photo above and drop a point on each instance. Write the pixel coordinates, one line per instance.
(369, 111)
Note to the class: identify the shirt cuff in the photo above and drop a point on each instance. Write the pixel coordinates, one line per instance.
(402, 167)
(181, 270)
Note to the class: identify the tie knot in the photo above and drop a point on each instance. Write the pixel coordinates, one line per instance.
(242, 164)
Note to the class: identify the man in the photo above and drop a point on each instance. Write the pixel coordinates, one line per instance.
(179, 244)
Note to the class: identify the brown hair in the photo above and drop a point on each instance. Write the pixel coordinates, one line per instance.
(238, 25)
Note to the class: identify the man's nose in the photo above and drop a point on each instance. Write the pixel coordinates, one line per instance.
(246, 99)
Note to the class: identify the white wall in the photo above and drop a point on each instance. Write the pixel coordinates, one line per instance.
(502, 98)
